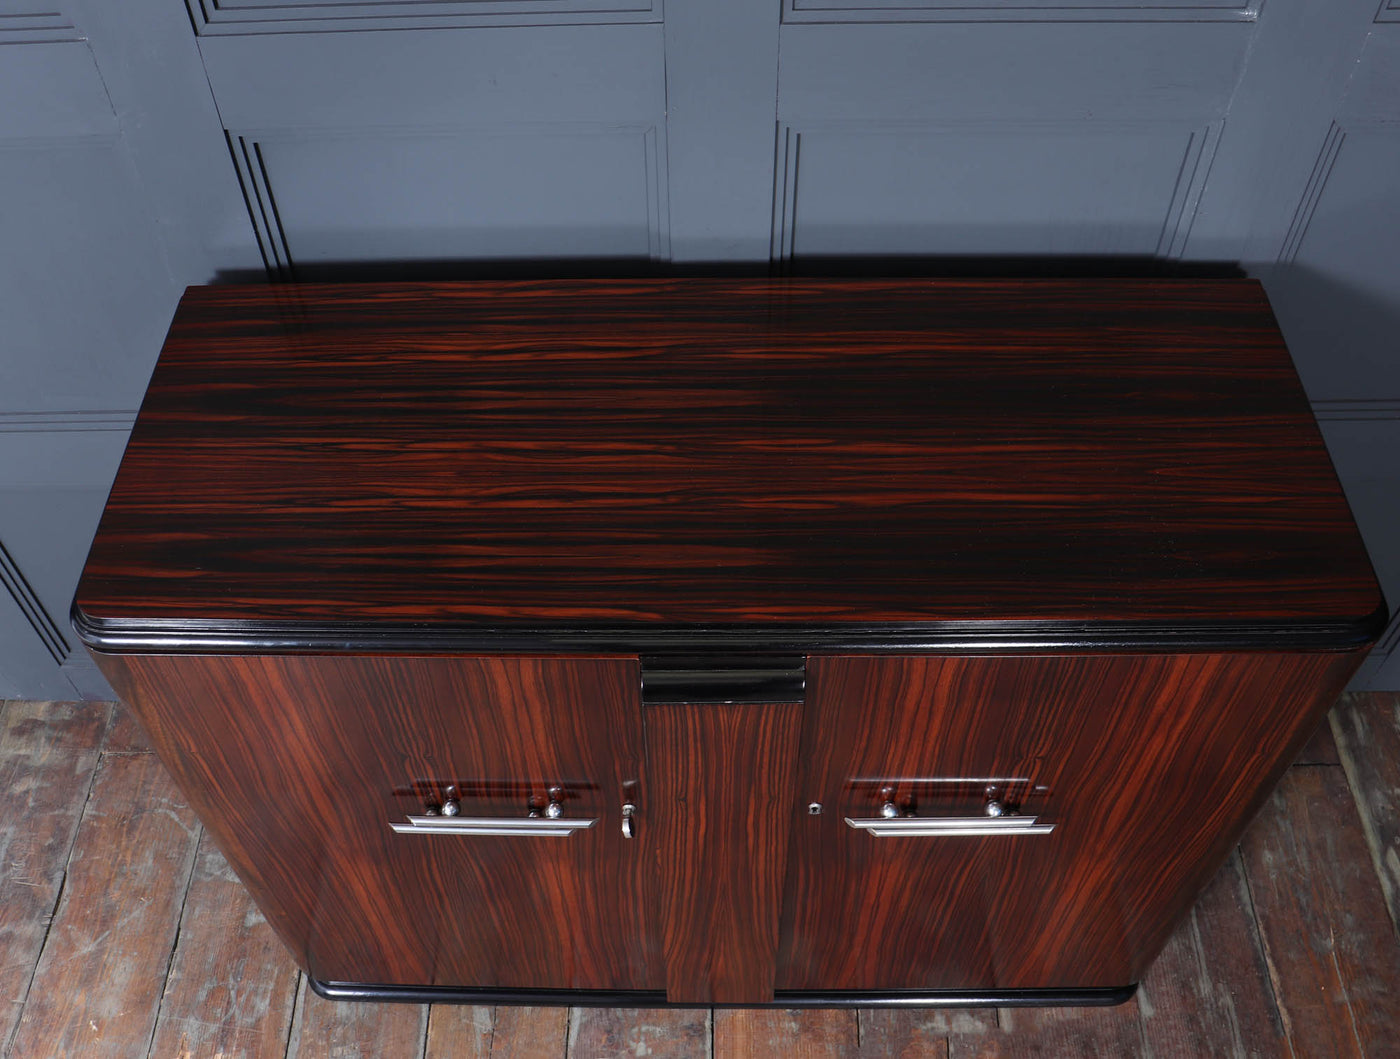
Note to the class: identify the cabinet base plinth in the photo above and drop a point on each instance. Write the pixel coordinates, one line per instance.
(901, 998)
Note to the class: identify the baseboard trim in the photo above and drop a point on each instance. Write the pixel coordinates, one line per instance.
(898, 998)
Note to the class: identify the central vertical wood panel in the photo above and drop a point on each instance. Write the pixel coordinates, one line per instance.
(721, 803)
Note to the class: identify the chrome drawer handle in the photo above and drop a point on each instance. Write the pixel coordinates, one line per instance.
(928, 826)
(491, 825)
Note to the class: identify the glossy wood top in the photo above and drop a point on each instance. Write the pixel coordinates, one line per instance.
(648, 454)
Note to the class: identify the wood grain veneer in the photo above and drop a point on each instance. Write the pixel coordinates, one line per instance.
(293, 763)
(369, 541)
(721, 782)
(1153, 764)
(677, 452)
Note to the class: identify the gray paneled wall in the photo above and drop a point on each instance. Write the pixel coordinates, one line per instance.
(546, 141)
(83, 286)
(116, 191)
(1334, 279)
(156, 143)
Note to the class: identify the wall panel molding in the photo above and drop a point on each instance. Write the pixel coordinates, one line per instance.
(658, 204)
(1312, 193)
(42, 28)
(1387, 643)
(1360, 409)
(1190, 184)
(243, 17)
(1194, 168)
(1361, 435)
(1021, 11)
(32, 607)
(80, 419)
(789, 151)
(262, 208)
(254, 158)
(1389, 12)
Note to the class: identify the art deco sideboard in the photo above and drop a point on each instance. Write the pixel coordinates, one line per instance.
(797, 642)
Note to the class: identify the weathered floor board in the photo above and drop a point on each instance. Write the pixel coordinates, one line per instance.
(231, 987)
(97, 987)
(530, 1033)
(48, 752)
(123, 933)
(1333, 958)
(919, 1032)
(1367, 729)
(758, 1033)
(1209, 993)
(1058, 1033)
(460, 1032)
(324, 1029)
(657, 1033)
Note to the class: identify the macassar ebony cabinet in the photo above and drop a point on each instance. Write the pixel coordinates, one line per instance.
(797, 642)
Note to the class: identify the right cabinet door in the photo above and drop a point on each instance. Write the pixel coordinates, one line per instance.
(1149, 767)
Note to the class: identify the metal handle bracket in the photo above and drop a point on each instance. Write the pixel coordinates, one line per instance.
(931, 826)
(558, 827)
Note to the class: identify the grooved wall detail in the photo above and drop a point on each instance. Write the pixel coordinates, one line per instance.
(1369, 410)
(266, 217)
(1087, 11)
(244, 17)
(262, 208)
(32, 607)
(41, 28)
(1312, 193)
(1177, 221)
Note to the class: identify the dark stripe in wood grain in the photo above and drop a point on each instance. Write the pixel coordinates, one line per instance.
(673, 452)
(720, 800)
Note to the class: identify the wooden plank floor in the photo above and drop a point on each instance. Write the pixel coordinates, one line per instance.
(123, 934)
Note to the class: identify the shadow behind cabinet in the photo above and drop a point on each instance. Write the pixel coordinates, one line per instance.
(1125, 706)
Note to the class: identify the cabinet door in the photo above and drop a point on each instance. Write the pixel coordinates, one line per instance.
(298, 765)
(1149, 767)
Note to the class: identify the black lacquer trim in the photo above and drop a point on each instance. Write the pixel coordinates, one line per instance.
(910, 998)
(719, 641)
(728, 678)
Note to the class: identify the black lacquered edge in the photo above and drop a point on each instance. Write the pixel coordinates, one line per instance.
(671, 678)
(733, 641)
(911, 998)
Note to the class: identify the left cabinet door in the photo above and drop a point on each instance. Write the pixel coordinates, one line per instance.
(298, 765)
